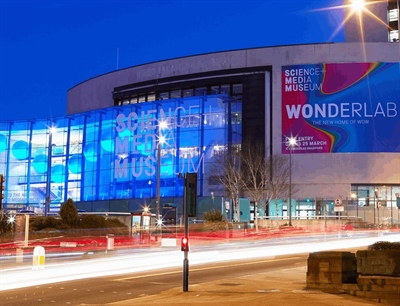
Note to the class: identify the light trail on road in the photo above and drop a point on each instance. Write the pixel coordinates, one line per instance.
(158, 258)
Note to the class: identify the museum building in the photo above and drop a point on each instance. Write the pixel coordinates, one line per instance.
(128, 134)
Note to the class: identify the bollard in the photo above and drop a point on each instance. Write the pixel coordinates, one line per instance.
(38, 258)
(110, 242)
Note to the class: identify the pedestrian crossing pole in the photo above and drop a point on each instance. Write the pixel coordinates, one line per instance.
(189, 210)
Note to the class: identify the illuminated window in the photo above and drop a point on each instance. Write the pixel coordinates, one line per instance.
(214, 90)
(164, 95)
(393, 15)
(176, 94)
(200, 91)
(394, 36)
(188, 92)
(226, 89)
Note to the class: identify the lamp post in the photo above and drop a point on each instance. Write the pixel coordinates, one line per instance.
(292, 141)
(376, 204)
(354, 197)
(48, 176)
(161, 140)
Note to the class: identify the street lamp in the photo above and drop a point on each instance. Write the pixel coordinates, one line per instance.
(377, 204)
(354, 197)
(291, 142)
(146, 210)
(52, 130)
(357, 5)
(161, 139)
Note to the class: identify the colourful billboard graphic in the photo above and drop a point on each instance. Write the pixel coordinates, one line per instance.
(341, 108)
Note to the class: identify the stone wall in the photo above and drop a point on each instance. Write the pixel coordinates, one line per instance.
(382, 262)
(369, 274)
(328, 270)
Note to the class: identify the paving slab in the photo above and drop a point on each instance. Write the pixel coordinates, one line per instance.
(286, 287)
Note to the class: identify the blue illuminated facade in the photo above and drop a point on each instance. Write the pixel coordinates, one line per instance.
(108, 155)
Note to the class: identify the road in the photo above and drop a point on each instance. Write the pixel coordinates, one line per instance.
(108, 289)
(103, 278)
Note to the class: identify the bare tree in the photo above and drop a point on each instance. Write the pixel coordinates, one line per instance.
(278, 184)
(255, 174)
(226, 172)
(262, 178)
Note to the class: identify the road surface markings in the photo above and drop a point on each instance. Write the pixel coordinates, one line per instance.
(205, 268)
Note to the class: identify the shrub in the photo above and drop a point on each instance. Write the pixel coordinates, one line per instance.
(37, 223)
(213, 216)
(92, 221)
(5, 225)
(69, 213)
(216, 226)
(51, 222)
(113, 222)
(384, 245)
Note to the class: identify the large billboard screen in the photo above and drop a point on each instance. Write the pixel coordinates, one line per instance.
(341, 107)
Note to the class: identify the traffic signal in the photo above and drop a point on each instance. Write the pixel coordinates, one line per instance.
(191, 195)
(2, 188)
(185, 244)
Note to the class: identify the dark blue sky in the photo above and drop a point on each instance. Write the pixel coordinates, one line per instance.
(47, 47)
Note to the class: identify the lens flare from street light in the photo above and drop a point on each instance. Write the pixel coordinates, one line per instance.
(162, 139)
(52, 129)
(163, 125)
(357, 8)
(11, 219)
(358, 5)
(291, 141)
(159, 222)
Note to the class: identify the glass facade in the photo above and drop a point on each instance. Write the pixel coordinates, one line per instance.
(111, 153)
(375, 195)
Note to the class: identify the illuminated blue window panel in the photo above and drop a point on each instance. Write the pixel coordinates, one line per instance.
(112, 153)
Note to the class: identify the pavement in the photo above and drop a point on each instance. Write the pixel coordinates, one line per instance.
(288, 289)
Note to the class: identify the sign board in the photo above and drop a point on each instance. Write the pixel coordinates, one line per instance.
(338, 201)
(169, 214)
(333, 107)
(338, 208)
(146, 222)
